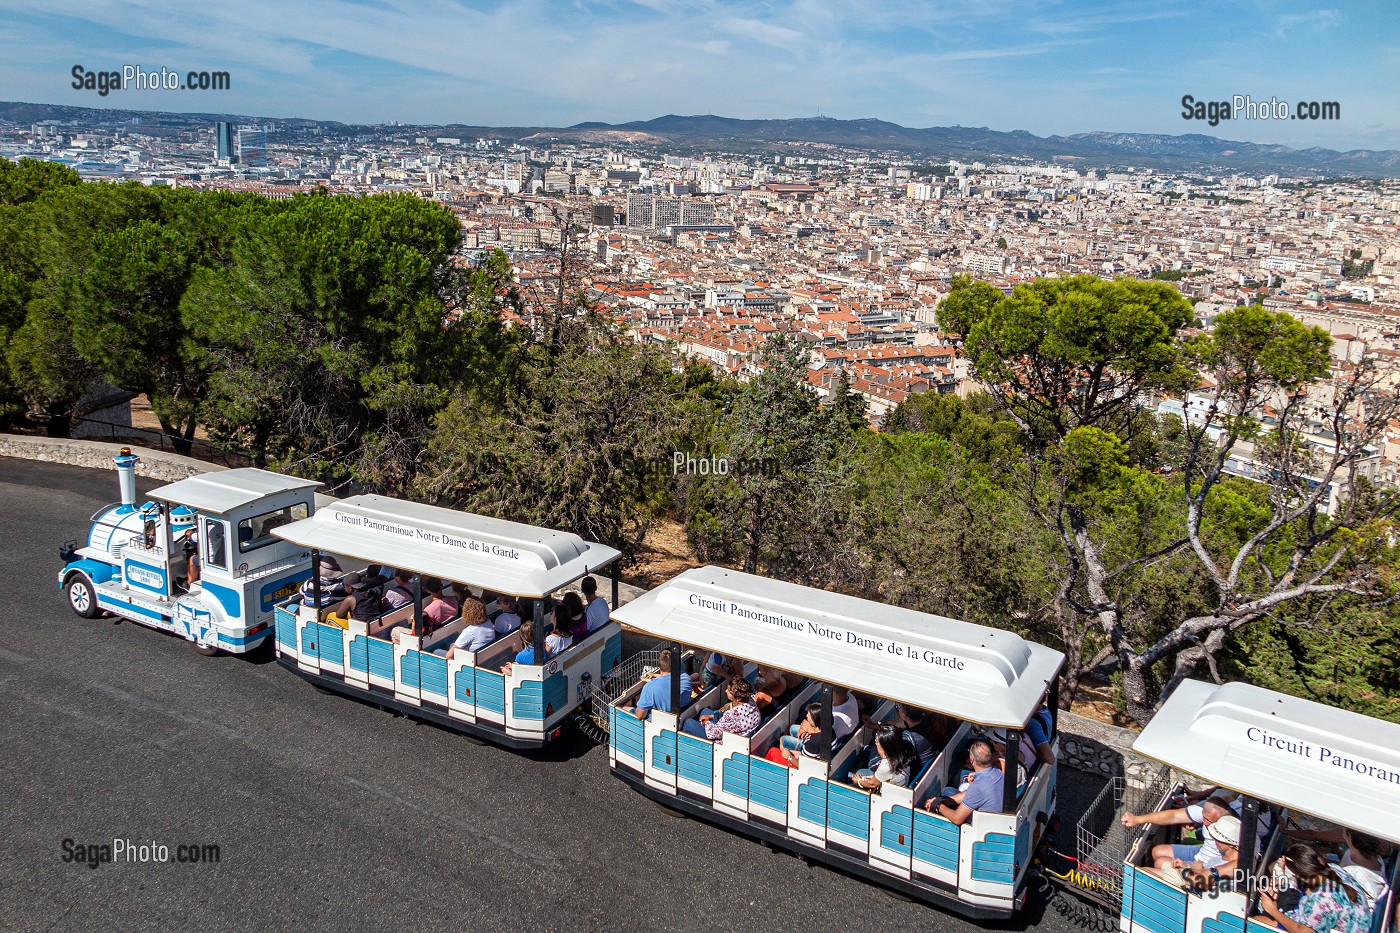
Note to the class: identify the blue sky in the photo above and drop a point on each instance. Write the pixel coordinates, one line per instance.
(1046, 67)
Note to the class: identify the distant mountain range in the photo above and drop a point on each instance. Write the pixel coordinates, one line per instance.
(1191, 152)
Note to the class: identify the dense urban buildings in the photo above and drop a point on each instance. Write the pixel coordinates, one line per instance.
(850, 250)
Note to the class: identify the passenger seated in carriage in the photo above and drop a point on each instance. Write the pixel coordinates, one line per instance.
(526, 634)
(335, 589)
(477, 631)
(577, 626)
(399, 593)
(845, 720)
(914, 723)
(656, 688)
(740, 715)
(1360, 858)
(790, 748)
(770, 689)
(1223, 836)
(442, 606)
(720, 669)
(562, 636)
(595, 606)
(1317, 897)
(1168, 855)
(895, 763)
(507, 619)
(367, 594)
(985, 788)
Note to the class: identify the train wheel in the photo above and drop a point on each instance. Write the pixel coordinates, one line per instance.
(82, 598)
(207, 650)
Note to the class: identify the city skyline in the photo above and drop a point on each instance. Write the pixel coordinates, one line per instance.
(1007, 65)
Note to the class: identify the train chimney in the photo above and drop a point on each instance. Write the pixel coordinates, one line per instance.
(126, 476)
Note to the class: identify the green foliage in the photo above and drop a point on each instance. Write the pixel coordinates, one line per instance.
(846, 408)
(581, 443)
(1067, 353)
(55, 232)
(28, 179)
(327, 331)
(933, 528)
(126, 319)
(975, 424)
(1349, 662)
(1091, 464)
(969, 302)
(1357, 268)
(1252, 349)
(773, 511)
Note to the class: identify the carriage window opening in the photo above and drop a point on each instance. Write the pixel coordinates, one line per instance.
(256, 532)
(215, 554)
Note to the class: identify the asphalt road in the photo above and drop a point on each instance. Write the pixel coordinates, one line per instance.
(331, 814)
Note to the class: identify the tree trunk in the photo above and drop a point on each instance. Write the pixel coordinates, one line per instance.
(59, 426)
(1135, 687)
(177, 439)
(1072, 637)
(753, 539)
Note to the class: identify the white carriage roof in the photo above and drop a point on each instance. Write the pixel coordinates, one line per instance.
(507, 557)
(980, 674)
(224, 490)
(1332, 763)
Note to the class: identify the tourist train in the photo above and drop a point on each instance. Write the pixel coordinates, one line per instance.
(828, 695)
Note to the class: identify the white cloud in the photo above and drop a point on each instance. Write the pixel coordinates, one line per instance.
(1313, 21)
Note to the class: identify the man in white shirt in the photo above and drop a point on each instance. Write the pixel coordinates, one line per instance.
(1204, 814)
(845, 713)
(508, 618)
(595, 607)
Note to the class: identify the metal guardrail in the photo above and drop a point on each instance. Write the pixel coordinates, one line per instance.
(147, 437)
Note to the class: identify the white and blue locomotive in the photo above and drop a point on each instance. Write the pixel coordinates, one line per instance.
(198, 559)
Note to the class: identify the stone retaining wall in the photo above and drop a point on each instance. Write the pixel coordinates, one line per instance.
(156, 464)
(1104, 749)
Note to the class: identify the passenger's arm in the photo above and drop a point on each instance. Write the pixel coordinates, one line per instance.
(956, 815)
(1160, 818)
(1270, 907)
(1045, 752)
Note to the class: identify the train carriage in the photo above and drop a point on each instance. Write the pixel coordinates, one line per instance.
(983, 678)
(397, 661)
(1291, 761)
